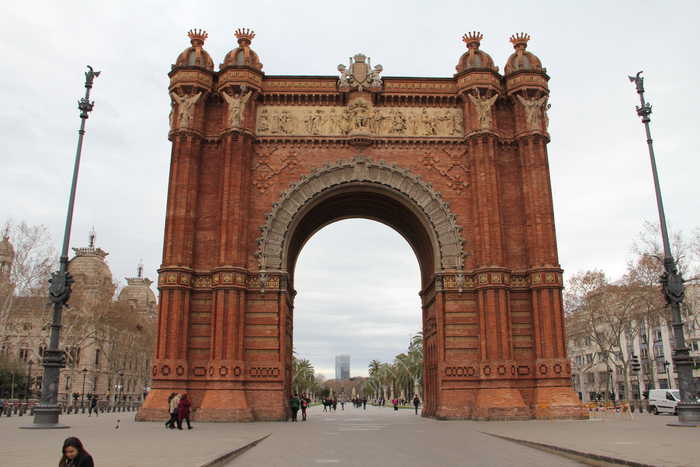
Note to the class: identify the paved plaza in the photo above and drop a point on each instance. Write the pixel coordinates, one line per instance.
(354, 437)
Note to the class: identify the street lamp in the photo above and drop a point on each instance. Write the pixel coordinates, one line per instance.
(82, 396)
(47, 412)
(29, 380)
(121, 385)
(671, 283)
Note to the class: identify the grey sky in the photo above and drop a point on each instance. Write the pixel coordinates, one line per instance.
(600, 171)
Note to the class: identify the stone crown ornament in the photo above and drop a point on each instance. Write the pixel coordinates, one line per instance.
(197, 37)
(519, 38)
(473, 37)
(244, 34)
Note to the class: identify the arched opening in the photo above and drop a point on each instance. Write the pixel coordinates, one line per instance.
(358, 300)
(362, 200)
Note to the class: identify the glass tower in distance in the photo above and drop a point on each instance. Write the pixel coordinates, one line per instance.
(342, 367)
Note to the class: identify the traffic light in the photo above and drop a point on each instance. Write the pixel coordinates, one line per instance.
(634, 364)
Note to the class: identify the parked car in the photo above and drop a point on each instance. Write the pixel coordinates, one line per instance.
(663, 400)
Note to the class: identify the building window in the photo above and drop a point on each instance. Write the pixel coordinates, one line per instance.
(74, 356)
(589, 358)
(97, 358)
(588, 340)
(24, 354)
(42, 349)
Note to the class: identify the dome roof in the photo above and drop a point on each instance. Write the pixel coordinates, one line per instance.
(196, 55)
(473, 57)
(89, 269)
(138, 295)
(521, 58)
(243, 55)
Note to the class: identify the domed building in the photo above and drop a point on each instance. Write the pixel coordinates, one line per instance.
(138, 294)
(195, 55)
(243, 55)
(521, 59)
(92, 275)
(474, 58)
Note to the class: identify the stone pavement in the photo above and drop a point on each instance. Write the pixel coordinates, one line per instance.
(382, 437)
(133, 444)
(643, 438)
(353, 437)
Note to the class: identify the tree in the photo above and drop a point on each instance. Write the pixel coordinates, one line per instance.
(34, 258)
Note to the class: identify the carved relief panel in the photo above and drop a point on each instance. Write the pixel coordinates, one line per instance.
(359, 117)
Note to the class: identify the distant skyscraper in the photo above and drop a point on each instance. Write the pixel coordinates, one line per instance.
(342, 367)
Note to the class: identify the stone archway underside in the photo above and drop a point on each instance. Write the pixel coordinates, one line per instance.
(442, 222)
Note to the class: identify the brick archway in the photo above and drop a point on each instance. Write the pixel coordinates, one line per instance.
(457, 165)
(413, 196)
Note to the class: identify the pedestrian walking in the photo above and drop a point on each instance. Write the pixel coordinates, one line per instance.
(364, 404)
(183, 411)
(74, 454)
(173, 401)
(342, 405)
(93, 406)
(395, 403)
(294, 405)
(304, 406)
(416, 403)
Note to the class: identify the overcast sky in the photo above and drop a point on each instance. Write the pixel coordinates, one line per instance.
(600, 171)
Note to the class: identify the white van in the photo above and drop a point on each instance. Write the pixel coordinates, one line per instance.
(663, 400)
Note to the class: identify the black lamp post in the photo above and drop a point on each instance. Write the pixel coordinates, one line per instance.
(668, 376)
(47, 412)
(672, 284)
(121, 385)
(82, 396)
(29, 380)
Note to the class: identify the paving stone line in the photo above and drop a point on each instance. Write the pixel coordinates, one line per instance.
(223, 459)
(566, 452)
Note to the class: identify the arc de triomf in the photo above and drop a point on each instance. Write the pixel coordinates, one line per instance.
(457, 165)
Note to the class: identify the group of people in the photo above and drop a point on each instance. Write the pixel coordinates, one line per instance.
(179, 409)
(296, 403)
(359, 402)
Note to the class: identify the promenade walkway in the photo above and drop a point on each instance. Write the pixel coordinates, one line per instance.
(354, 437)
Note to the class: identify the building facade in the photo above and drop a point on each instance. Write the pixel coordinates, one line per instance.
(597, 377)
(458, 165)
(342, 367)
(107, 343)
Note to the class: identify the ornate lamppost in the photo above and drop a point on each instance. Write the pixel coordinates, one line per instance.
(47, 412)
(82, 396)
(672, 285)
(27, 389)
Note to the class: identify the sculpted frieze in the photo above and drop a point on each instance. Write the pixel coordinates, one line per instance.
(359, 117)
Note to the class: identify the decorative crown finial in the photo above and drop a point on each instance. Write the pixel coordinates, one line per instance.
(519, 38)
(139, 269)
(244, 34)
(197, 35)
(92, 237)
(473, 37)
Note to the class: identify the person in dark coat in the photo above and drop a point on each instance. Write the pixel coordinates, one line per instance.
(416, 403)
(74, 454)
(93, 406)
(304, 405)
(294, 405)
(183, 411)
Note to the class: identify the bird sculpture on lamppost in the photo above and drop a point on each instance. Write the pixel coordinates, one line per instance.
(672, 284)
(46, 414)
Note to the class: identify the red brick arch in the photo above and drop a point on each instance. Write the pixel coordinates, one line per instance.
(457, 165)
